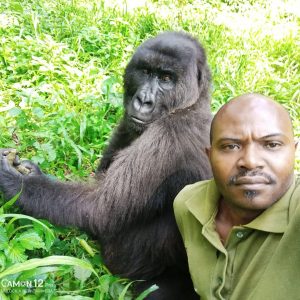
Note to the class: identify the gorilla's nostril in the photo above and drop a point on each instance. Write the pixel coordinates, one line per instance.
(148, 103)
(137, 103)
(139, 99)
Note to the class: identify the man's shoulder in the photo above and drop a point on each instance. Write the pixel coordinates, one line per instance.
(296, 188)
(295, 195)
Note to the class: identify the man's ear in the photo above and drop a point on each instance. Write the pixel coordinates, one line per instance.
(296, 145)
(208, 151)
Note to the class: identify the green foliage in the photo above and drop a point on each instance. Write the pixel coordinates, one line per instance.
(70, 266)
(61, 66)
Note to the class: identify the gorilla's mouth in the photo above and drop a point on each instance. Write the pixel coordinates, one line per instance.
(139, 121)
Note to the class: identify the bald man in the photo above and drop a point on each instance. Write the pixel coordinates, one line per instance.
(241, 229)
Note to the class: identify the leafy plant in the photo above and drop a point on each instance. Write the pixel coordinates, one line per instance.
(71, 276)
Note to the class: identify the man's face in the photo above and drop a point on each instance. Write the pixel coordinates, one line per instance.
(252, 154)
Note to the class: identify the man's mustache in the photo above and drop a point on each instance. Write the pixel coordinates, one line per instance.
(234, 180)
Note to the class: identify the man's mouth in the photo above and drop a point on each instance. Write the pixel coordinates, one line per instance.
(252, 180)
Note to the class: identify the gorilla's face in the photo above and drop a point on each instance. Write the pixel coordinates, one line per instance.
(150, 87)
(162, 76)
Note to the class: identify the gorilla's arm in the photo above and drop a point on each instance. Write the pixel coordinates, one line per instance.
(102, 205)
(121, 138)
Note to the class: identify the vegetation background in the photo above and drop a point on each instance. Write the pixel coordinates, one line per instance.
(61, 66)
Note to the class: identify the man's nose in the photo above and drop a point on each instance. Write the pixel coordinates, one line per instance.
(251, 158)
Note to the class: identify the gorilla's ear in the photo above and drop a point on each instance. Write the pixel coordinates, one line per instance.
(203, 76)
(199, 75)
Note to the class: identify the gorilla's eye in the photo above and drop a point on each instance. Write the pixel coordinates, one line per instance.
(165, 77)
(146, 71)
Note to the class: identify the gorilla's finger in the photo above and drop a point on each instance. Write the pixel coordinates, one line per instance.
(32, 167)
(17, 161)
(5, 151)
(5, 165)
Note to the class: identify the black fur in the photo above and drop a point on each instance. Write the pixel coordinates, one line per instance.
(158, 148)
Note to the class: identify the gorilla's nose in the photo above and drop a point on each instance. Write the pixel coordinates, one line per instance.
(143, 104)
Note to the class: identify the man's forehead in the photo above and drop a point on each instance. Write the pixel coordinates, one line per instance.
(248, 102)
(244, 107)
(252, 113)
(260, 123)
(249, 115)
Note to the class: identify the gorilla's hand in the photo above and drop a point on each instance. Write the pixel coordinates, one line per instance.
(32, 168)
(10, 162)
(12, 172)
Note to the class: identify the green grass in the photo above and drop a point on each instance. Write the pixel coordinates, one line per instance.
(61, 66)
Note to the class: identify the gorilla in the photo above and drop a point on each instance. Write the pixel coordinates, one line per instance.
(157, 148)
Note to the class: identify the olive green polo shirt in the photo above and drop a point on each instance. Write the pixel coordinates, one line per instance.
(259, 261)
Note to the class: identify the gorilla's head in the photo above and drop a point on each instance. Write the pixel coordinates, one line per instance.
(166, 73)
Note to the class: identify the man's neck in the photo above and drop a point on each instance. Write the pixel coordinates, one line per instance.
(229, 216)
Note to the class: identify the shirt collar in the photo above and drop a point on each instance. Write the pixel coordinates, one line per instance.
(274, 219)
(205, 207)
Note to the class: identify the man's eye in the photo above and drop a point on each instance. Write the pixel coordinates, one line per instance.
(231, 147)
(273, 145)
